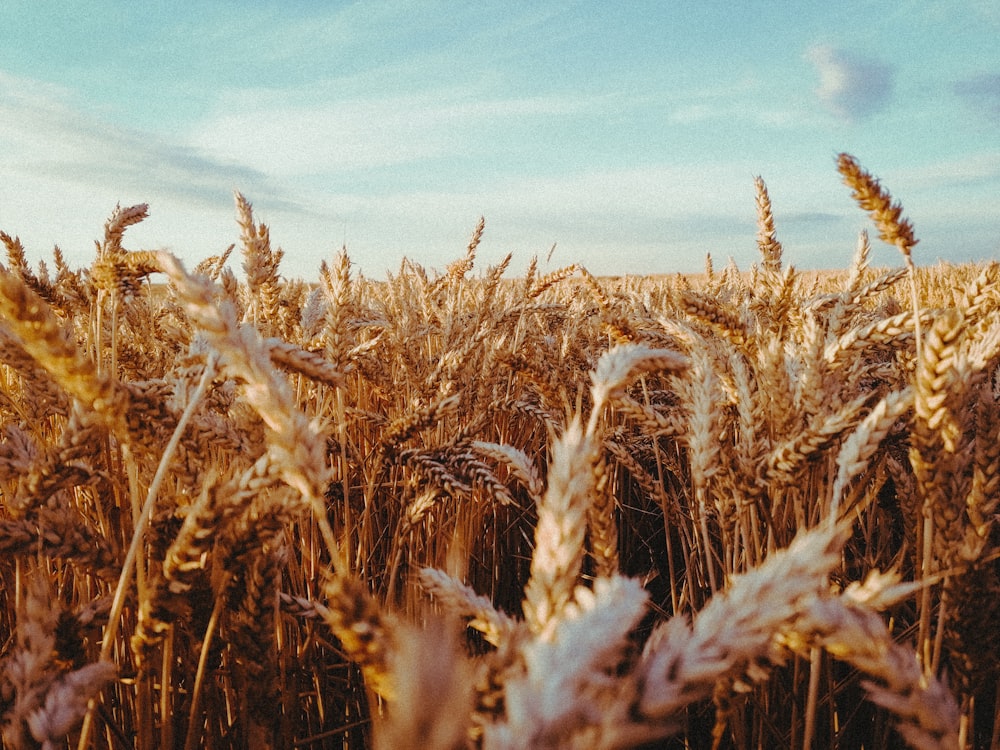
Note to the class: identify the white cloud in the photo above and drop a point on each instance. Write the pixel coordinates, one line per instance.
(654, 219)
(651, 218)
(50, 135)
(338, 136)
(64, 169)
(852, 86)
(737, 111)
(969, 170)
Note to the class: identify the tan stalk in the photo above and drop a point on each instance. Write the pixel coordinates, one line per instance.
(128, 566)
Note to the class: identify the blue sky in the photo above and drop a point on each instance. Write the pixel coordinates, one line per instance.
(628, 134)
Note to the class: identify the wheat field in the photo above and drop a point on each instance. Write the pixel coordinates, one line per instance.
(745, 509)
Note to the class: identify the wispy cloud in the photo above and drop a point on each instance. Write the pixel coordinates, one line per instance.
(289, 139)
(64, 168)
(981, 93)
(51, 136)
(973, 170)
(735, 111)
(647, 219)
(852, 86)
(747, 96)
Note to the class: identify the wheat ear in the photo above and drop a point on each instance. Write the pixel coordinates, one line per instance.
(561, 528)
(850, 628)
(297, 448)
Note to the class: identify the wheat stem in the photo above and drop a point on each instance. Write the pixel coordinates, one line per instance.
(191, 740)
(125, 579)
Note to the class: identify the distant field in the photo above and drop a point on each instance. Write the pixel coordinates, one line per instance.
(748, 508)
